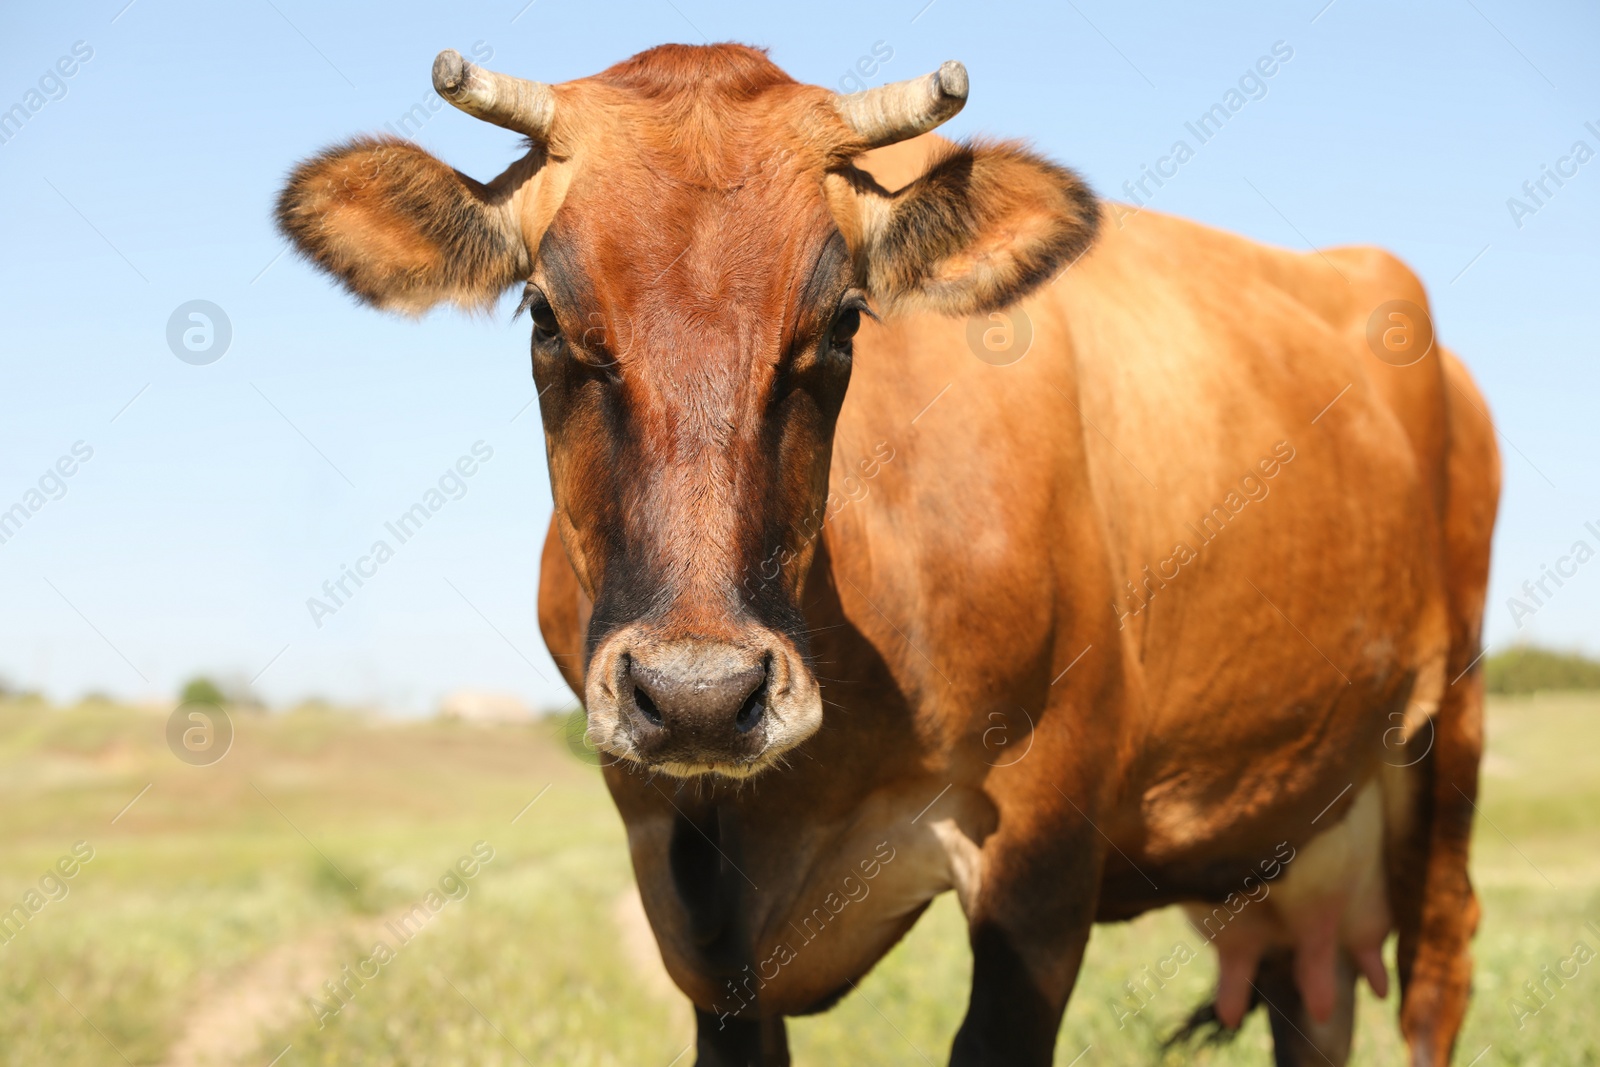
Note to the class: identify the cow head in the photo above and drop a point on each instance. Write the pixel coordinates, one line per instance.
(697, 251)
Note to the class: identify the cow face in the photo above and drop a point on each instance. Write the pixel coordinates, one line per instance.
(696, 252)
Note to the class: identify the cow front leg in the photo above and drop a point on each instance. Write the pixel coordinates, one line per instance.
(1029, 922)
(1298, 1039)
(728, 1041)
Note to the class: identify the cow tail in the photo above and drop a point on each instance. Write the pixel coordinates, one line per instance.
(1203, 1027)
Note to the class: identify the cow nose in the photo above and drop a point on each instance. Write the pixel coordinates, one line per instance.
(700, 703)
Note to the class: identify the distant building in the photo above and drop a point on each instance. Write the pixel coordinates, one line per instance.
(475, 705)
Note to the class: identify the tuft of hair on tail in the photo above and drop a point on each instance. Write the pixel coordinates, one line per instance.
(1204, 1027)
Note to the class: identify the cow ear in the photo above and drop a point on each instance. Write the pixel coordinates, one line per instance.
(400, 229)
(983, 227)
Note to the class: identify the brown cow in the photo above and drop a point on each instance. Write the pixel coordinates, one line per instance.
(1140, 564)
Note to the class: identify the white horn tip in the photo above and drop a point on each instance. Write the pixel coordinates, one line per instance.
(952, 79)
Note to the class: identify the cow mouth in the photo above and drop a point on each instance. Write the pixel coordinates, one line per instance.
(692, 708)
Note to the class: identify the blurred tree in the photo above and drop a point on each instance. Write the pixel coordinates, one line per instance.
(202, 690)
(1528, 669)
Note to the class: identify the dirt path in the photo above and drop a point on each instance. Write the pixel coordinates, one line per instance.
(232, 1014)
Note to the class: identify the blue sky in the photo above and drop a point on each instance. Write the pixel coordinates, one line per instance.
(219, 497)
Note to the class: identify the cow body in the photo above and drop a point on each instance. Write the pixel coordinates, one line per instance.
(1121, 563)
(1118, 625)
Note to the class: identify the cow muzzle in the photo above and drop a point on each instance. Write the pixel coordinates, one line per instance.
(689, 707)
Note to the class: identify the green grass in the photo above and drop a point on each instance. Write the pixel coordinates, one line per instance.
(318, 826)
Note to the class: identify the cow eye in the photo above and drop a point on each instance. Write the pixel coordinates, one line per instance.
(845, 326)
(848, 321)
(545, 326)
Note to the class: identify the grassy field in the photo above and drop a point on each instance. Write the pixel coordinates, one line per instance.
(215, 905)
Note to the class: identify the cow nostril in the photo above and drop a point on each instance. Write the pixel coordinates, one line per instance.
(698, 702)
(753, 709)
(646, 706)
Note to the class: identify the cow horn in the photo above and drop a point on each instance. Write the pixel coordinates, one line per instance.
(526, 107)
(902, 110)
